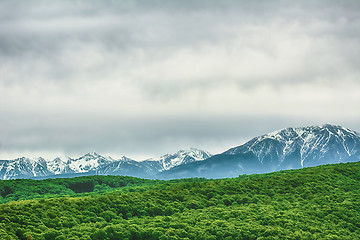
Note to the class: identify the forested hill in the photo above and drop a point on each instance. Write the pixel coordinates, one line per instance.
(25, 189)
(311, 203)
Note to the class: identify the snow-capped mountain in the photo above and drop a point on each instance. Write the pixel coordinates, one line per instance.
(23, 167)
(60, 166)
(88, 162)
(303, 147)
(123, 166)
(289, 148)
(152, 166)
(181, 157)
(94, 163)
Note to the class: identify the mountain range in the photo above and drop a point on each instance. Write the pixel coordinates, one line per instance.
(96, 164)
(289, 148)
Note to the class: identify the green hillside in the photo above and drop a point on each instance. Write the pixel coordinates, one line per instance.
(25, 189)
(313, 203)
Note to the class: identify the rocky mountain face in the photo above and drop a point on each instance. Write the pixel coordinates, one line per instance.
(288, 148)
(93, 163)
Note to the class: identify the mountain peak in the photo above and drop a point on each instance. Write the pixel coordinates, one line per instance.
(312, 142)
(181, 157)
(299, 131)
(125, 159)
(288, 148)
(92, 154)
(193, 151)
(331, 126)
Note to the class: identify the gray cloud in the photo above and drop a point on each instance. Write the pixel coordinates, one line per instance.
(133, 136)
(142, 77)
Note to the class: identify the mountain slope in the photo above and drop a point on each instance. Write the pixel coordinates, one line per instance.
(289, 148)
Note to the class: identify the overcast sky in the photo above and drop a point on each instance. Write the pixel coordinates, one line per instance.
(145, 78)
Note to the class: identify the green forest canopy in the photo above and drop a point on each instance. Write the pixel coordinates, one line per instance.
(312, 203)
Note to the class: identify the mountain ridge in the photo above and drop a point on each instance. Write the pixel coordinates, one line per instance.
(95, 164)
(288, 148)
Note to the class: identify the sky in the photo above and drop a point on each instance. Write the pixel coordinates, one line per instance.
(142, 78)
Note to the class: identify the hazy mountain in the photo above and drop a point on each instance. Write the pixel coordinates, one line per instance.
(123, 166)
(288, 148)
(152, 166)
(94, 163)
(181, 157)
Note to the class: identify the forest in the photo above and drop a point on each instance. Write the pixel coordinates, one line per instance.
(311, 203)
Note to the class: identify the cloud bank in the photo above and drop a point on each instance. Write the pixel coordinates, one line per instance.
(142, 78)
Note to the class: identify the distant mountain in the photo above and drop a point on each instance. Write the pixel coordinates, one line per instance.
(23, 168)
(182, 157)
(124, 166)
(289, 148)
(96, 164)
(152, 166)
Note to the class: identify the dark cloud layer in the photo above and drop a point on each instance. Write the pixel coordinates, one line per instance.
(147, 77)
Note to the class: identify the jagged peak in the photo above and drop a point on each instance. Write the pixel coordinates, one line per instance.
(20, 159)
(60, 159)
(182, 152)
(304, 134)
(92, 154)
(23, 159)
(193, 150)
(309, 129)
(125, 159)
